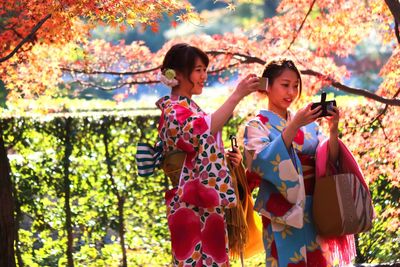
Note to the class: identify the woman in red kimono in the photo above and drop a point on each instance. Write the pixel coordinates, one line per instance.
(195, 208)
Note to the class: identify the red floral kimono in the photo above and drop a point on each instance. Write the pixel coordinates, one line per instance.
(195, 209)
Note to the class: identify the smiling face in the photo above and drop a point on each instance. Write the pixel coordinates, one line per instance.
(283, 91)
(193, 85)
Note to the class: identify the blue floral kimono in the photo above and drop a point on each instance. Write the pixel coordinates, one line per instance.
(285, 194)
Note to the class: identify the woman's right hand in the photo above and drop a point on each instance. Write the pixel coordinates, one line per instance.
(305, 116)
(247, 85)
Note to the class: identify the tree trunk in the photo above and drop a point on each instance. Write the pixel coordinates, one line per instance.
(67, 191)
(121, 199)
(121, 202)
(18, 217)
(7, 224)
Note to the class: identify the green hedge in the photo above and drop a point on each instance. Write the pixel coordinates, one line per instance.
(76, 176)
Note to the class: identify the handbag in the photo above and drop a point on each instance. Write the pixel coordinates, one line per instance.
(341, 205)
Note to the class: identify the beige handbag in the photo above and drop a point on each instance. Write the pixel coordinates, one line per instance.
(341, 205)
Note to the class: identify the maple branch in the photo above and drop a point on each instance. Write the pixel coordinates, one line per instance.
(110, 88)
(91, 72)
(247, 58)
(352, 90)
(301, 25)
(250, 59)
(385, 109)
(26, 39)
(394, 7)
(223, 68)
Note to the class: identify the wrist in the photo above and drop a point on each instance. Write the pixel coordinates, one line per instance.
(334, 132)
(293, 125)
(236, 97)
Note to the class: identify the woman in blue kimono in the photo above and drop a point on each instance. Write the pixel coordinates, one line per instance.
(279, 150)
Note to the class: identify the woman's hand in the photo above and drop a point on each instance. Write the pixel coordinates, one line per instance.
(234, 157)
(305, 116)
(333, 121)
(249, 84)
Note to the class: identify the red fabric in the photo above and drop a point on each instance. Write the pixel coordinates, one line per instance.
(263, 119)
(299, 138)
(342, 247)
(199, 195)
(185, 230)
(316, 259)
(309, 174)
(253, 180)
(274, 252)
(190, 152)
(187, 147)
(265, 221)
(169, 195)
(298, 264)
(278, 205)
(182, 113)
(199, 126)
(213, 237)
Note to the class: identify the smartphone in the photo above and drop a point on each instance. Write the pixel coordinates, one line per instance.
(263, 84)
(326, 105)
(233, 142)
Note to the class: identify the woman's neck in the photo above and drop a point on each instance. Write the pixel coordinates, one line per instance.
(180, 92)
(283, 113)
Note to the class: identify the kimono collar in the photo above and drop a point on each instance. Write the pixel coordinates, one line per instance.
(165, 101)
(274, 119)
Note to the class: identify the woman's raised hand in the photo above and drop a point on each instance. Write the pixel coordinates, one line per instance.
(306, 115)
(247, 85)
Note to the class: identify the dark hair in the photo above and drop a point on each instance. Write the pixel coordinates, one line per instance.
(182, 57)
(275, 68)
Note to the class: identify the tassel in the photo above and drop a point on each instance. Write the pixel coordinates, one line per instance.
(238, 231)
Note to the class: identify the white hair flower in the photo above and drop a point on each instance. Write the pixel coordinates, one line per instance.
(168, 78)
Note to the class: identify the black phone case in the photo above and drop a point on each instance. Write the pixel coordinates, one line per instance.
(233, 142)
(325, 105)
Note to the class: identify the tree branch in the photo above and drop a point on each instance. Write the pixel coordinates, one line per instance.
(302, 24)
(110, 88)
(223, 68)
(92, 72)
(26, 39)
(385, 109)
(355, 91)
(394, 7)
(248, 59)
(397, 31)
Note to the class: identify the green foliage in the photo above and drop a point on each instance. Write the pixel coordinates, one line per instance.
(101, 172)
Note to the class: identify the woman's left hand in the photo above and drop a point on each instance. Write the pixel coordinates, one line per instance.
(333, 121)
(234, 157)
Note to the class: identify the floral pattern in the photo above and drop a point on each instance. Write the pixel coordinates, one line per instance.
(289, 235)
(195, 209)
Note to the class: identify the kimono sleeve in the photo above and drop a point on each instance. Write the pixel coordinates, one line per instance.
(189, 128)
(205, 180)
(274, 164)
